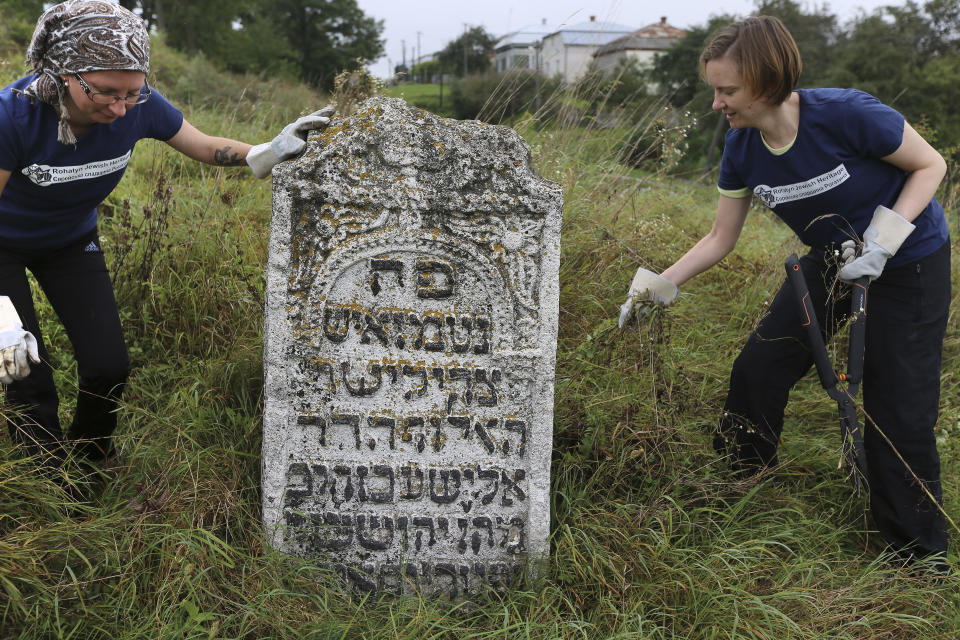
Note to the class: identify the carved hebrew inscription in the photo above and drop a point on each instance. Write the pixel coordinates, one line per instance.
(409, 357)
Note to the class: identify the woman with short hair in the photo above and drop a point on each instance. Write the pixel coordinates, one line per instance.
(835, 165)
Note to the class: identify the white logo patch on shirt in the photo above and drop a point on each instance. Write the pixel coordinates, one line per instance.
(44, 175)
(772, 196)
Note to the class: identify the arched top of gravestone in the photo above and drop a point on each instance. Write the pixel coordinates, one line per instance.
(392, 168)
(403, 159)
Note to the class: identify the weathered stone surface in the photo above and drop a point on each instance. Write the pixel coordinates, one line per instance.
(412, 300)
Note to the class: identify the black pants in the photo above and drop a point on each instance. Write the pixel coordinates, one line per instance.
(907, 310)
(76, 282)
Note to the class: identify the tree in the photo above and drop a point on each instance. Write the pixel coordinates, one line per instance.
(904, 57)
(260, 46)
(815, 34)
(194, 26)
(26, 9)
(319, 38)
(629, 82)
(17, 21)
(425, 71)
(470, 53)
(677, 70)
(944, 25)
(189, 25)
(327, 37)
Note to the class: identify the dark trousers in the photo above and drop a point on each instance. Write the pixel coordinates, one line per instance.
(76, 282)
(907, 310)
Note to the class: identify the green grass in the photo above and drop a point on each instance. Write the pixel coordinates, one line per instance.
(425, 96)
(650, 537)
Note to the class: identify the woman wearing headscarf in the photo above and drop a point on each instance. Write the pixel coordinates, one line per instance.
(67, 132)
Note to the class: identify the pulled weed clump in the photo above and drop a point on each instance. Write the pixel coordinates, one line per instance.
(138, 243)
(353, 87)
(651, 536)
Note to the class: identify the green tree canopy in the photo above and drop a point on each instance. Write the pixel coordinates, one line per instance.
(908, 57)
(815, 33)
(26, 9)
(470, 53)
(315, 38)
(326, 36)
(17, 20)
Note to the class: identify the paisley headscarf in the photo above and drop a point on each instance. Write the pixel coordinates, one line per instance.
(83, 35)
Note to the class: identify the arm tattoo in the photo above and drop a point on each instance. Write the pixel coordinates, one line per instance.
(224, 158)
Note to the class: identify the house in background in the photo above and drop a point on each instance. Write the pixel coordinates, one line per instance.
(518, 50)
(569, 51)
(641, 46)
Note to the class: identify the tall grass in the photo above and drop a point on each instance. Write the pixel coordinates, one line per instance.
(650, 537)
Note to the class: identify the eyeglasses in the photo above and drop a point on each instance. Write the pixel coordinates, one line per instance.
(110, 98)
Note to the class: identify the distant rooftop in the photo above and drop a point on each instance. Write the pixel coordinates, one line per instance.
(591, 32)
(656, 36)
(526, 36)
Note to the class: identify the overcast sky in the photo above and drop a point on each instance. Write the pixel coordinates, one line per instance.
(439, 21)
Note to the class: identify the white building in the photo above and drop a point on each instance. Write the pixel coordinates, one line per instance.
(642, 46)
(518, 50)
(569, 51)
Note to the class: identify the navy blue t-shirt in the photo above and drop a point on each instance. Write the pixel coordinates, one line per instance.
(827, 184)
(51, 197)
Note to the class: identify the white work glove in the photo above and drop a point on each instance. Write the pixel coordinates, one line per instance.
(16, 345)
(650, 287)
(881, 240)
(288, 144)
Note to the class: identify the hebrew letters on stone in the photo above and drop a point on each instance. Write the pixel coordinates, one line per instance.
(409, 353)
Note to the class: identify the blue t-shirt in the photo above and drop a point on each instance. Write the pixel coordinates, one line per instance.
(51, 197)
(827, 184)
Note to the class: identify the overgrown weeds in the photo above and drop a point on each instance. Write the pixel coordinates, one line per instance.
(138, 243)
(651, 538)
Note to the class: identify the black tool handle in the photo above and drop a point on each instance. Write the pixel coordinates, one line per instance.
(858, 326)
(808, 318)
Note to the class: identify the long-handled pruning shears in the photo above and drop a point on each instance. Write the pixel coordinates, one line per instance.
(850, 431)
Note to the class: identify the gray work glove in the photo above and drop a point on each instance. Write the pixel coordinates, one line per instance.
(291, 141)
(882, 239)
(16, 345)
(647, 287)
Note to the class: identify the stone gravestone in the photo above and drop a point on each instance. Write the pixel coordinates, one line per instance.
(412, 301)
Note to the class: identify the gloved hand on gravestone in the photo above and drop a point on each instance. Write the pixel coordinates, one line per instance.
(291, 141)
(16, 345)
(881, 240)
(647, 288)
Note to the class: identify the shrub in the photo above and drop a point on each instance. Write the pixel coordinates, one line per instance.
(195, 82)
(426, 71)
(17, 20)
(494, 98)
(660, 143)
(627, 86)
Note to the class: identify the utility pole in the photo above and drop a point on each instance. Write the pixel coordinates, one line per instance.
(419, 58)
(464, 49)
